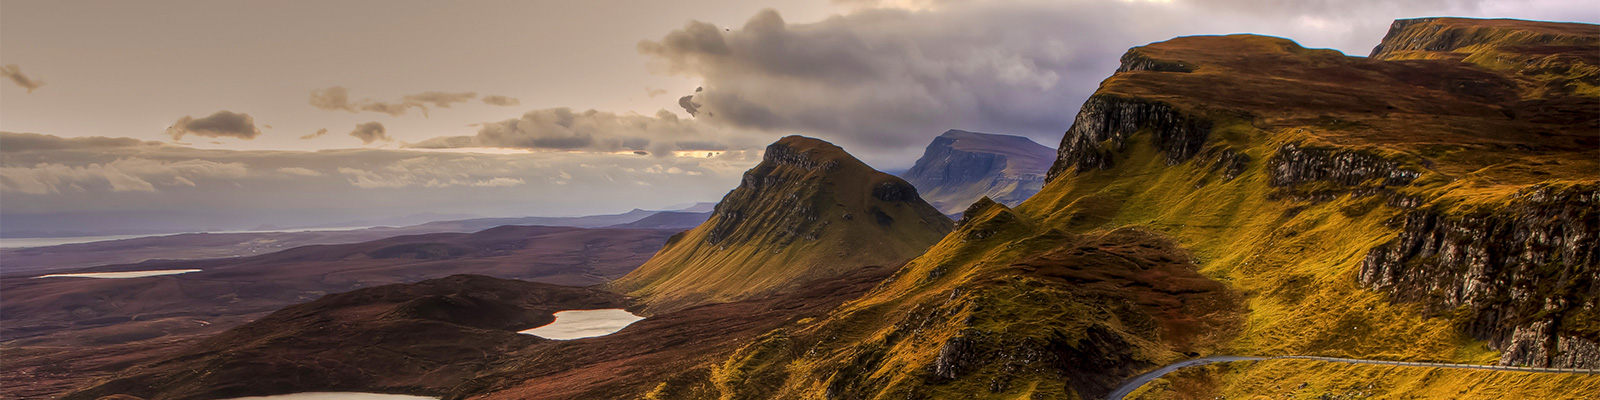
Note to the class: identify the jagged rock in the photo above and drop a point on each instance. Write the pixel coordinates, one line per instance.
(1134, 60)
(1526, 271)
(954, 357)
(1109, 118)
(1295, 164)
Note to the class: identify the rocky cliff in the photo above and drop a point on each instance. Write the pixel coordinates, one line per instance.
(960, 167)
(1524, 273)
(808, 211)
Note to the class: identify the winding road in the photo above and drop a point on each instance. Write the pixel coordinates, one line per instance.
(1131, 384)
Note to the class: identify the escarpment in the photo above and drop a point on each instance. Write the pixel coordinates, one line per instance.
(808, 211)
(1105, 122)
(1294, 164)
(1525, 272)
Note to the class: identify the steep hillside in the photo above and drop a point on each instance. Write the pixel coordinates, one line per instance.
(960, 167)
(809, 210)
(1420, 209)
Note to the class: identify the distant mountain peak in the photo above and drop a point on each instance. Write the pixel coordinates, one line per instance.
(960, 167)
(809, 210)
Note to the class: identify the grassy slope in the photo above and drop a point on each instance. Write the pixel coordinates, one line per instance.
(1306, 379)
(1293, 259)
(788, 224)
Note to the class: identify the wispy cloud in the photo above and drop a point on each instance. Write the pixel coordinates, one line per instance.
(14, 73)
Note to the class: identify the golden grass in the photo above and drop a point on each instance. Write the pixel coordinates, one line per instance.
(1309, 379)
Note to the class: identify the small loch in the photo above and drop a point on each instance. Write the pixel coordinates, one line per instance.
(579, 324)
(121, 275)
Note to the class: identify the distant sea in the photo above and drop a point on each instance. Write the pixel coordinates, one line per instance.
(17, 243)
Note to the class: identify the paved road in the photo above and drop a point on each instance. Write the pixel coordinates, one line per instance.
(1129, 385)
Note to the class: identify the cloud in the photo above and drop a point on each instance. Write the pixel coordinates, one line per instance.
(11, 142)
(337, 98)
(298, 171)
(565, 129)
(889, 79)
(14, 73)
(883, 79)
(319, 133)
(498, 100)
(220, 124)
(370, 132)
(123, 175)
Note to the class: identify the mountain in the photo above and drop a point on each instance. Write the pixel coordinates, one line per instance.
(809, 210)
(421, 338)
(960, 167)
(1244, 195)
(668, 220)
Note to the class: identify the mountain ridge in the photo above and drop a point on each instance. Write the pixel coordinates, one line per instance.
(959, 167)
(809, 210)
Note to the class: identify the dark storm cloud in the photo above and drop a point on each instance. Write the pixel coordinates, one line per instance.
(498, 100)
(337, 98)
(319, 133)
(220, 124)
(890, 79)
(565, 129)
(14, 73)
(370, 132)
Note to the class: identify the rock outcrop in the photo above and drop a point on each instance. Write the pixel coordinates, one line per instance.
(1105, 122)
(960, 167)
(808, 211)
(1528, 273)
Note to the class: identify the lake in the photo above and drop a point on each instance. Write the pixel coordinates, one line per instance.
(121, 275)
(579, 324)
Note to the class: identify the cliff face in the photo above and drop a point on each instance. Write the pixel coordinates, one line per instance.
(808, 211)
(1524, 273)
(961, 167)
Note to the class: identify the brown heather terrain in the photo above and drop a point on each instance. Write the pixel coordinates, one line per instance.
(61, 333)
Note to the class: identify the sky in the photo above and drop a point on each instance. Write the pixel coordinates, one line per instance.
(217, 115)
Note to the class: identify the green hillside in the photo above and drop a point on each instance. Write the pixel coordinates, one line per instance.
(808, 211)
